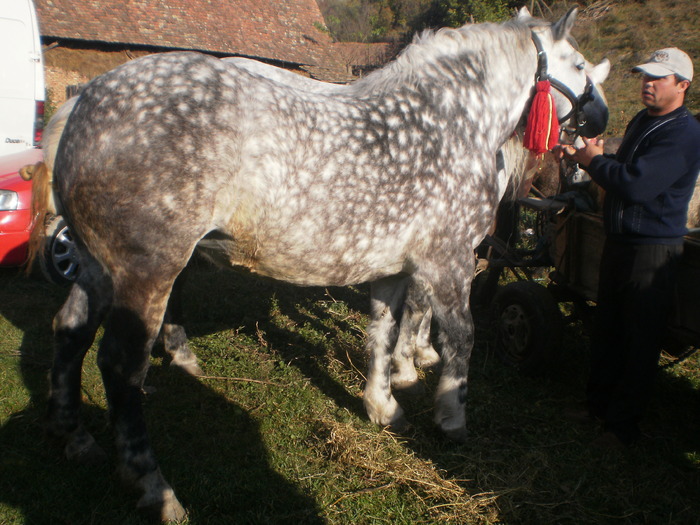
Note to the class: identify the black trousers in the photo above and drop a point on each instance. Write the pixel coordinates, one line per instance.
(635, 298)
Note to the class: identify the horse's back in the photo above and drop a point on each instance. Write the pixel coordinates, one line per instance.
(168, 148)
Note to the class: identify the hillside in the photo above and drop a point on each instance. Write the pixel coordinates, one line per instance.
(626, 32)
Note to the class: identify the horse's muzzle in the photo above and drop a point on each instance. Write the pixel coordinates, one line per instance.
(592, 117)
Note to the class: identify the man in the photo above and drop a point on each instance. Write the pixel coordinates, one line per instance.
(648, 185)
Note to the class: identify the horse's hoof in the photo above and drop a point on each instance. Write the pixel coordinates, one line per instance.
(82, 448)
(403, 383)
(189, 367)
(427, 360)
(168, 511)
(458, 435)
(409, 388)
(399, 425)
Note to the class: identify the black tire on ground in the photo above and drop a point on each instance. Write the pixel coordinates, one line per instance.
(59, 263)
(528, 327)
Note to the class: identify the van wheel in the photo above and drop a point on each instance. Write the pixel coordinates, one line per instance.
(528, 326)
(59, 263)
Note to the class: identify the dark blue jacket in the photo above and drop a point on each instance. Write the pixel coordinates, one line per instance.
(651, 178)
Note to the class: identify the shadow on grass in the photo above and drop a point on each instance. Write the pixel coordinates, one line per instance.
(217, 300)
(542, 468)
(209, 448)
(527, 463)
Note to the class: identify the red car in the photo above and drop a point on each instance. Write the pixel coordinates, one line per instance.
(58, 262)
(16, 220)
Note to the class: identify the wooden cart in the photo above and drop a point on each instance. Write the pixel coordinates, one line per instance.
(526, 317)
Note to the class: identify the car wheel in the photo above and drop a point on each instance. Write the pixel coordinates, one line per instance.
(59, 263)
(528, 326)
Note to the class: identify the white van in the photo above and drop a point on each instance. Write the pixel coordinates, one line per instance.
(21, 77)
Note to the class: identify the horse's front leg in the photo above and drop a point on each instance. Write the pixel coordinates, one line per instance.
(450, 303)
(130, 330)
(387, 297)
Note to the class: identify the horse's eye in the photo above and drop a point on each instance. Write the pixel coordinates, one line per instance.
(581, 66)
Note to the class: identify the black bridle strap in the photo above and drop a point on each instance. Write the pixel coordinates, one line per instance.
(542, 74)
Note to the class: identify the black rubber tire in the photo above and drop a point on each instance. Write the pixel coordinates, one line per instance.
(528, 327)
(59, 262)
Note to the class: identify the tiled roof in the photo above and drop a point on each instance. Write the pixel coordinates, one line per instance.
(286, 30)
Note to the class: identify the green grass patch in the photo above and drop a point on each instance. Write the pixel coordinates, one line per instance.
(276, 433)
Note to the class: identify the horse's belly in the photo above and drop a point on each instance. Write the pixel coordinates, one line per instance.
(304, 263)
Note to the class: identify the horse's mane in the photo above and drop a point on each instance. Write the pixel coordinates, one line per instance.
(430, 46)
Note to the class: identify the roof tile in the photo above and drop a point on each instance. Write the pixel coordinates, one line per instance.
(287, 31)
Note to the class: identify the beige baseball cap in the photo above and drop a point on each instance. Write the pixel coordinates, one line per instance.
(667, 61)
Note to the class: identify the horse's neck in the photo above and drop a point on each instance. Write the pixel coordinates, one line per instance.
(486, 70)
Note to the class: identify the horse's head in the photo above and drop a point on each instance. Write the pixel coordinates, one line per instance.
(592, 119)
(579, 103)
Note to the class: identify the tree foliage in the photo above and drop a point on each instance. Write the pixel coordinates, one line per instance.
(455, 13)
(386, 20)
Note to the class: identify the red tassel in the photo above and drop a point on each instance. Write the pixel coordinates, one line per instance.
(542, 130)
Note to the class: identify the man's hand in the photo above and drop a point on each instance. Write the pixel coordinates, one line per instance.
(583, 155)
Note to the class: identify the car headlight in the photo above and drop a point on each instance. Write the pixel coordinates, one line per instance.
(9, 200)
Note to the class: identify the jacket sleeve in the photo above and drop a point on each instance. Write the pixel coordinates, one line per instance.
(650, 173)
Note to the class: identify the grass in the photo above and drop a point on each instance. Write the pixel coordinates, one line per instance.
(276, 431)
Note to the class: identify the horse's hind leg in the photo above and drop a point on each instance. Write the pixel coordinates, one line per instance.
(403, 373)
(413, 347)
(75, 326)
(426, 356)
(130, 330)
(387, 297)
(173, 331)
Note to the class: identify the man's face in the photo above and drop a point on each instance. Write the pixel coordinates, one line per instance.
(662, 95)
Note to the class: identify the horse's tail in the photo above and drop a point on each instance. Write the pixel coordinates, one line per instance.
(42, 205)
(41, 174)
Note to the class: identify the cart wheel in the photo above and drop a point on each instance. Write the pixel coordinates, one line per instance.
(59, 263)
(528, 326)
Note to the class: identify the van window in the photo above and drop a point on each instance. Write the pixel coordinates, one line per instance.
(21, 77)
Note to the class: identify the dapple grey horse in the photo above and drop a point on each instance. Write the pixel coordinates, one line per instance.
(392, 182)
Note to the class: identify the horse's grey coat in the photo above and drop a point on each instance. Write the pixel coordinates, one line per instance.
(391, 177)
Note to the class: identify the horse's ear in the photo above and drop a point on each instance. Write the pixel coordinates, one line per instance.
(562, 28)
(600, 72)
(523, 14)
